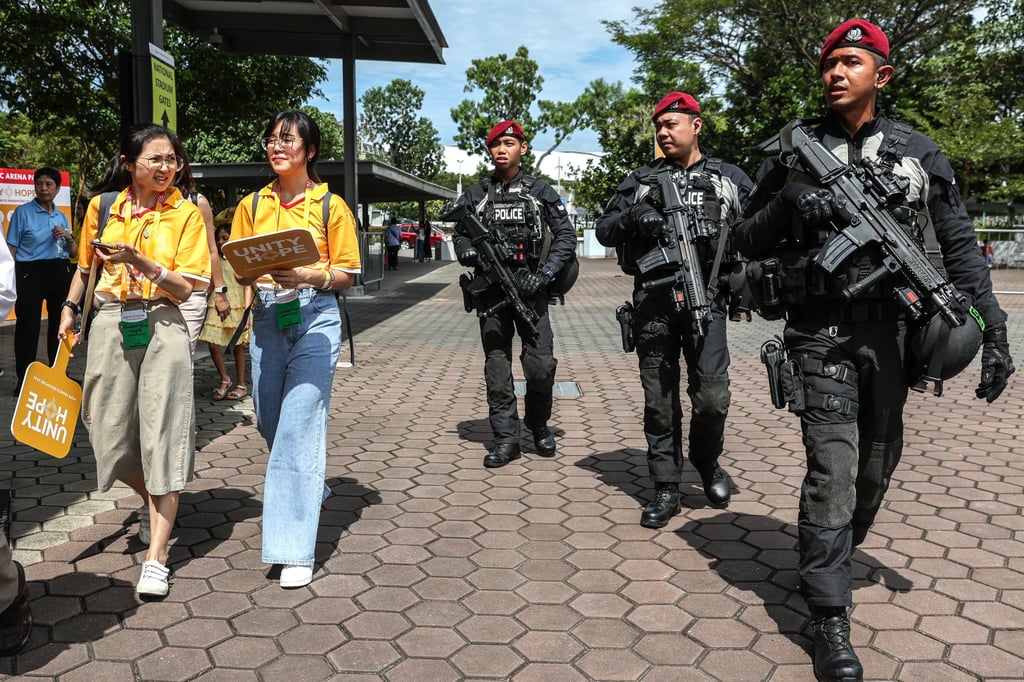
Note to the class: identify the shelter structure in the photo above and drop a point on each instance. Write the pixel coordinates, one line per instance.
(349, 30)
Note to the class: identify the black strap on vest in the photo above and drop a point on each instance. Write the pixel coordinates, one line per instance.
(894, 146)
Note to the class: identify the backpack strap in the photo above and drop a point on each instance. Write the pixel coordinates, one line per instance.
(106, 203)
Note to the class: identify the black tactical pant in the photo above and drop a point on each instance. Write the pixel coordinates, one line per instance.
(852, 445)
(496, 334)
(663, 334)
(38, 282)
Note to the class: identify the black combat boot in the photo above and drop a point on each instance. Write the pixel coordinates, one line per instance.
(663, 507)
(834, 657)
(717, 485)
(502, 454)
(544, 441)
(16, 620)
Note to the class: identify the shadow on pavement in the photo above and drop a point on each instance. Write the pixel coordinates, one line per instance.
(67, 610)
(758, 554)
(368, 311)
(626, 470)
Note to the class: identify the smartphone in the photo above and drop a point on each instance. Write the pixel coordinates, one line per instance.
(109, 248)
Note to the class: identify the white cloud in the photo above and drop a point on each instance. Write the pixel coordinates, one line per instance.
(565, 38)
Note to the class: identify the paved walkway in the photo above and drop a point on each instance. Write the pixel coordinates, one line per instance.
(431, 567)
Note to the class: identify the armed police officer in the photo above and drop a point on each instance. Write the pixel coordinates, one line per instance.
(516, 234)
(679, 307)
(858, 319)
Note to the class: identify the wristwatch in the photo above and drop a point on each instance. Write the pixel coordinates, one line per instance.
(221, 290)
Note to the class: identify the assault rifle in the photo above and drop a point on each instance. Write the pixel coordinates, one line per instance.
(676, 248)
(494, 256)
(870, 208)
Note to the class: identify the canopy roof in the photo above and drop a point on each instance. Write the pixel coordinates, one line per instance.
(384, 30)
(378, 182)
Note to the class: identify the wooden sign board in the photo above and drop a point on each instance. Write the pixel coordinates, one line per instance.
(46, 414)
(257, 255)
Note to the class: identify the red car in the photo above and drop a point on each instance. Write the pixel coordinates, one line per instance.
(411, 230)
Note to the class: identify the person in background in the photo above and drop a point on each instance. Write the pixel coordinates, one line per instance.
(989, 253)
(15, 615)
(634, 222)
(393, 241)
(419, 243)
(426, 231)
(194, 310)
(296, 337)
(218, 330)
(40, 241)
(137, 394)
(851, 359)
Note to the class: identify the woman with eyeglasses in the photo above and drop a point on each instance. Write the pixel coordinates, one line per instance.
(137, 400)
(296, 336)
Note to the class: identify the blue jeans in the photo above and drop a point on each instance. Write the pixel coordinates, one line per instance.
(293, 370)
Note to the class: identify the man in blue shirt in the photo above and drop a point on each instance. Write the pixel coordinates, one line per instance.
(40, 240)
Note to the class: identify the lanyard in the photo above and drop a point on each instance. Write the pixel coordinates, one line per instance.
(144, 232)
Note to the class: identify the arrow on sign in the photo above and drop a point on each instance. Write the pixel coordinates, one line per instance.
(165, 119)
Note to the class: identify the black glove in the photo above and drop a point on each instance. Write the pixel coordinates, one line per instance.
(813, 205)
(996, 364)
(531, 283)
(469, 257)
(645, 221)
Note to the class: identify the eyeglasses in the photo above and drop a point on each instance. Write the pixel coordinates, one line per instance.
(157, 162)
(286, 142)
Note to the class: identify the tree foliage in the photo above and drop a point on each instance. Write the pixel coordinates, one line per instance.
(510, 87)
(65, 80)
(753, 66)
(390, 123)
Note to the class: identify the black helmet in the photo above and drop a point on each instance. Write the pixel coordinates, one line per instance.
(939, 351)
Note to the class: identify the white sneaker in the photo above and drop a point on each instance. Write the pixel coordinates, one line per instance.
(293, 575)
(153, 581)
(143, 515)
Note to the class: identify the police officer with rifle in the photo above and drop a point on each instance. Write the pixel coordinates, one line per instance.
(669, 222)
(839, 223)
(513, 229)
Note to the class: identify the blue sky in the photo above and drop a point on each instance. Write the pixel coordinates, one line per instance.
(565, 38)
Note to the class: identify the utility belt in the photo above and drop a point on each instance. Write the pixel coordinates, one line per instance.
(845, 313)
(787, 386)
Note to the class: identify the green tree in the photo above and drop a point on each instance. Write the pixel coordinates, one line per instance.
(762, 55)
(509, 87)
(66, 81)
(385, 125)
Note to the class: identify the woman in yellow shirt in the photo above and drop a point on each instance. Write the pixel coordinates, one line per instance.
(138, 409)
(296, 336)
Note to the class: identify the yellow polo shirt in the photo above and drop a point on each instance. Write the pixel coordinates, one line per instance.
(337, 245)
(173, 234)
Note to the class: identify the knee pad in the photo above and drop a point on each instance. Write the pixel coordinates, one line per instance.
(711, 396)
(539, 368)
(829, 492)
(498, 375)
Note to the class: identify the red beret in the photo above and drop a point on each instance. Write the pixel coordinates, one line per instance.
(855, 33)
(505, 128)
(676, 102)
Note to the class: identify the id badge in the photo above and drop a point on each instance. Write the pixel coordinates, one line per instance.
(134, 328)
(286, 307)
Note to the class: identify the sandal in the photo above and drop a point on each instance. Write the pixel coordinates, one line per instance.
(237, 392)
(221, 391)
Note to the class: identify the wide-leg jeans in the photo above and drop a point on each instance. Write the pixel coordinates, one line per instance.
(293, 371)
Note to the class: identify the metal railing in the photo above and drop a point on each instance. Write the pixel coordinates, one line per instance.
(371, 252)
